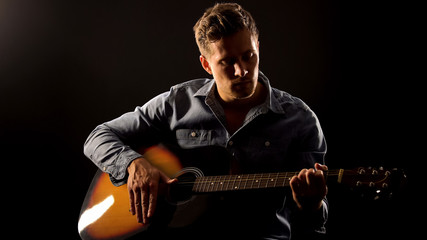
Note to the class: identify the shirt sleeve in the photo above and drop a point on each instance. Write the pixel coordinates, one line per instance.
(312, 149)
(312, 144)
(308, 147)
(308, 224)
(113, 145)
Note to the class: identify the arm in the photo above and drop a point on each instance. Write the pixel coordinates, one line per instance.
(309, 186)
(111, 147)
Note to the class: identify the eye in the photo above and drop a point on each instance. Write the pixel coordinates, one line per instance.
(227, 62)
(247, 56)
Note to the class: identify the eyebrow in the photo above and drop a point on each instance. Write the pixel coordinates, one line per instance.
(229, 57)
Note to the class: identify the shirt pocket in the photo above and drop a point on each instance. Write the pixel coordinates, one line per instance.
(190, 138)
(265, 154)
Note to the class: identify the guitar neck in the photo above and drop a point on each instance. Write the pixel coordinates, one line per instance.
(222, 183)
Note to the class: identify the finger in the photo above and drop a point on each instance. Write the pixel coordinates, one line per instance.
(164, 177)
(144, 206)
(138, 207)
(302, 176)
(294, 183)
(170, 181)
(131, 201)
(310, 176)
(152, 199)
(319, 181)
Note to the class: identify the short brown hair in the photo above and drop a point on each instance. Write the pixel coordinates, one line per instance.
(221, 20)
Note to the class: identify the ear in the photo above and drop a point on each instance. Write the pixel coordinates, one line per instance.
(205, 64)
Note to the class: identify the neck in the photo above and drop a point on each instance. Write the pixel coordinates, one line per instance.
(255, 99)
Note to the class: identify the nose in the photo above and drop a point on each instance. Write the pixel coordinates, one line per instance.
(240, 70)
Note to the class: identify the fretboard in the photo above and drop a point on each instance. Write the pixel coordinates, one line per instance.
(248, 181)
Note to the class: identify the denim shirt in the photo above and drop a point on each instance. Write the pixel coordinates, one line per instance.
(282, 134)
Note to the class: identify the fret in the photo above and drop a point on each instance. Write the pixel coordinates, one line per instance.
(233, 186)
(246, 181)
(207, 184)
(286, 180)
(197, 185)
(267, 181)
(238, 185)
(203, 184)
(213, 183)
(216, 183)
(277, 179)
(227, 180)
(221, 183)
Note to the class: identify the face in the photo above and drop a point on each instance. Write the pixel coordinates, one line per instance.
(233, 61)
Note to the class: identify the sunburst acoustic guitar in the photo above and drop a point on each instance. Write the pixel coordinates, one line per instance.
(105, 210)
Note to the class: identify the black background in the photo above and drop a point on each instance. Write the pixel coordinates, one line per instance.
(66, 66)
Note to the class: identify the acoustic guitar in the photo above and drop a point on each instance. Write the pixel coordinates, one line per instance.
(105, 211)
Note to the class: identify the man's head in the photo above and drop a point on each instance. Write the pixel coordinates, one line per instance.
(222, 20)
(228, 41)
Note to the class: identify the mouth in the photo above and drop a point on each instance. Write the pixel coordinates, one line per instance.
(242, 81)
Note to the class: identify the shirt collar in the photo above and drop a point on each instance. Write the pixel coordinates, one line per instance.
(271, 102)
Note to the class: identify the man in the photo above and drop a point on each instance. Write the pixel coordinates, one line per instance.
(263, 130)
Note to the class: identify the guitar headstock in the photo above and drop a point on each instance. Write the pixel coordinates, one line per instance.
(375, 182)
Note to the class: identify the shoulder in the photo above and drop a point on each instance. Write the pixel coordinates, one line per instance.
(182, 91)
(191, 85)
(287, 102)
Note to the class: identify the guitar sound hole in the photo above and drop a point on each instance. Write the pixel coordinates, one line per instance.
(182, 190)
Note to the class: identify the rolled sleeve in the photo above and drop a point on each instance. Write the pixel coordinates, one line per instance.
(109, 153)
(113, 145)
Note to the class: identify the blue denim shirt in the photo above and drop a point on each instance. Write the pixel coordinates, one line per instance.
(282, 134)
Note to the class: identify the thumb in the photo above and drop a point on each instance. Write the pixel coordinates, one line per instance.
(167, 179)
(319, 166)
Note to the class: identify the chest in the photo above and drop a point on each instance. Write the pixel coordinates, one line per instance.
(235, 119)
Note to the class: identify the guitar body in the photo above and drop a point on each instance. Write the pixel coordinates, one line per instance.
(105, 211)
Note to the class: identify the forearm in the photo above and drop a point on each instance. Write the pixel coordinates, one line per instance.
(109, 153)
(310, 224)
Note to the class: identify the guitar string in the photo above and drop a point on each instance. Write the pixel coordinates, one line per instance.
(250, 177)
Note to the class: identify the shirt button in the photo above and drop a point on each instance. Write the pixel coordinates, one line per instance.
(230, 143)
(267, 143)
